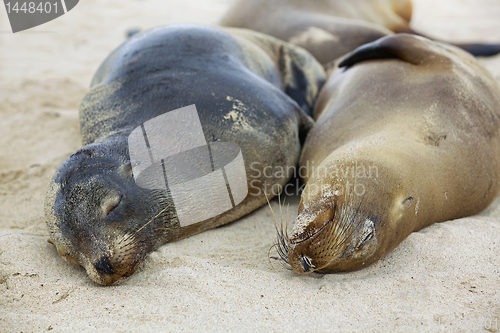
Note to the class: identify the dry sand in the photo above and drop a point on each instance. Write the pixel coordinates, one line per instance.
(443, 278)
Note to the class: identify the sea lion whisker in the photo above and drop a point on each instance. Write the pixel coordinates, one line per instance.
(343, 230)
(269, 256)
(130, 235)
(136, 231)
(128, 238)
(127, 248)
(281, 207)
(271, 208)
(282, 244)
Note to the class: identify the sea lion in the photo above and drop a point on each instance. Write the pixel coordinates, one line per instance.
(406, 135)
(331, 28)
(249, 89)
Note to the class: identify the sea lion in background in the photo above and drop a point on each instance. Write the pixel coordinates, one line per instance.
(331, 28)
(406, 135)
(249, 89)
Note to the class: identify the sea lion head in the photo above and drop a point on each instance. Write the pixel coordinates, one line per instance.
(98, 217)
(346, 220)
(333, 233)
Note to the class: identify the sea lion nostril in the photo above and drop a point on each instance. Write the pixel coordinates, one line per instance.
(305, 262)
(103, 266)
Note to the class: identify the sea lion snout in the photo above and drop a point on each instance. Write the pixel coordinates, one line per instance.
(103, 266)
(122, 261)
(305, 263)
(112, 252)
(312, 219)
(333, 232)
(339, 246)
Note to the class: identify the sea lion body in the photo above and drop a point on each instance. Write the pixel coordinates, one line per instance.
(330, 29)
(406, 135)
(97, 215)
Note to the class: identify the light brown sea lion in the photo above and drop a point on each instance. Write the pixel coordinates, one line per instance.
(330, 28)
(406, 135)
(249, 89)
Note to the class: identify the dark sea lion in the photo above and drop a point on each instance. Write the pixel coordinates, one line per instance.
(406, 135)
(249, 89)
(331, 28)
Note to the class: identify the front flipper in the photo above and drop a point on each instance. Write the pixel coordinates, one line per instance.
(410, 48)
(301, 74)
(476, 49)
(480, 49)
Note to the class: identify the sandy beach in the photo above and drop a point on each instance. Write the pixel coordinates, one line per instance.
(445, 278)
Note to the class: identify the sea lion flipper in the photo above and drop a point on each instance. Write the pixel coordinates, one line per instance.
(406, 47)
(476, 49)
(302, 75)
(480, 49)
(305, 124)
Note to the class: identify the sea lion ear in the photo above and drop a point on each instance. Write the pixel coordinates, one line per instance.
(406, 47)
